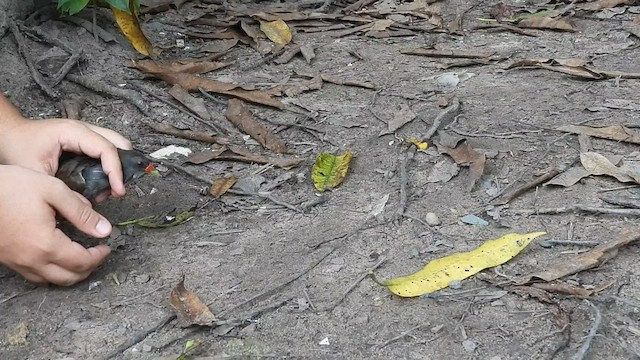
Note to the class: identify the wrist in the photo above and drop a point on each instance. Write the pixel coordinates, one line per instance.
(9, 115)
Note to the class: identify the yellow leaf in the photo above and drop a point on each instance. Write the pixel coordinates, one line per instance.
(130, 27)
(330, 170)
(439, 273)
(277, 31)
(422, 146)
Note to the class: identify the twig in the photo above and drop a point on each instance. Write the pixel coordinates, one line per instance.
(619, 188)
(445, 117)
(505, 199)
(406, 156)
(511, 135)
(353, 286)
(506, 27)
(578, 208)
(381, 346)
(177, 107)
(95, 21)
(553, 242)
(101, 87)
(139, 337)
(582, 352)
(37, 77)
(188, 134)
(274, 289)
(13, 296)
(128, 301)
(64, 70)
(306, 295)
(211, 97)
(629, 203)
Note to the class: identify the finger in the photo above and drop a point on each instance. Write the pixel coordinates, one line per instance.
(77, 211)
(74, 257)
(81, 139)
(82, 198)
(115, 138)
(58, 275)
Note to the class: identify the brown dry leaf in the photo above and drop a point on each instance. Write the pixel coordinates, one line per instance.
(562, 288)
(236, 153)
(574, 67)
(463, 154)
(614, 132)
(597, 164)
(189, 309)
(190, 67)
(192, 82)
(603, 4)
(130, 27)
(194, 104)
(336, 80)
(569, 177)
(297, 88)
(157, 6)
(546, 23)
(584, 261)
(307, 52)
(500, 11)
(219, 46)
(453, 54)
(401, 117)
(238, 113)
(221, 185)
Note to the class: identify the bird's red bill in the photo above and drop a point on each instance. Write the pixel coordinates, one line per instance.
(149, 168)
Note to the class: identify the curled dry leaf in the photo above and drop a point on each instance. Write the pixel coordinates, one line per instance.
(189, 309)
(277, 31)
(464, 154)
(615, 132)
(603, 4)
(237, 153)
(221, 185)
(242, 118)
(584, 261)
(596, 164)
(190, 67)
(547, 23)
(400, 118)
(196, 105)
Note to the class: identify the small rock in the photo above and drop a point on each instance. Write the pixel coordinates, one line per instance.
(303, 304)
(474, 220)
(146, 348)
(498, 303)
(455, 284)
(432, 219)
(237, 251)
(94, 284)
(436, 329)
(324, 342)
(142, 279)
(469, 346)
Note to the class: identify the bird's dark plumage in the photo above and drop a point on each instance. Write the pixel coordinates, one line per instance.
(85, 175)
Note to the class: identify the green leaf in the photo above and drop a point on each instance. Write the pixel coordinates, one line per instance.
(72, 6)
(124, 5)
(330, 170)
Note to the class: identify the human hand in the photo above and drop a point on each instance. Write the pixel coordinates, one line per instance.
(38, 144)
(30, 242)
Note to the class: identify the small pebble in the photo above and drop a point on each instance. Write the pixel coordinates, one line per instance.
(146, 348)
(474, 220)
(455, 284)
(432, 219)
(436, 329)
(324, 341)
(469, 345)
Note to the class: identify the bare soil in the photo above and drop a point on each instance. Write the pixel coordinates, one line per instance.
(238, 247)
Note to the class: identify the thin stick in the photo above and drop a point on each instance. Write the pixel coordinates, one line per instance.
(582, 352)
(578, 208)
(353, 286)
(101, 87)
(306, 295)
(619, 188)
(128, 301)
(37, 77)
(139, 337)
(274, 289)
(406, 156)
(64, 70)
(445, 117)
(188, 134)
(95, 21)
(399, 336)
(512, 135)
(177, 107)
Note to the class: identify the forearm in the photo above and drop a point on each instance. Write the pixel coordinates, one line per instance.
(9, 114)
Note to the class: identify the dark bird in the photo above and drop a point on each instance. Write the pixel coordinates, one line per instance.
(85, 175)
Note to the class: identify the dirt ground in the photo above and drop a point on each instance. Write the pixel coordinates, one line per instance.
(238, 251)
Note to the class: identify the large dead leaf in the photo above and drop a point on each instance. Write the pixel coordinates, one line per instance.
(236, 153)
(588, 260)
(597, 164)
(196, 105)
(614, 132)
(463, 154)
(189, 309)
(191, 67)
(603, 4)
(569, 177)
(242, 118)
(277, 31)
(547, 23)
(221, 185)
(130, 27)
(573, 67)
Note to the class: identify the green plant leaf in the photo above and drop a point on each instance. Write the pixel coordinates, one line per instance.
(330, 170)
(72, 6)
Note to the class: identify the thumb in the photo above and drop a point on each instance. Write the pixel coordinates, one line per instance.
(78, 212)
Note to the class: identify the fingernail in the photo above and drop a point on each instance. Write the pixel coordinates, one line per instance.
(103, 227)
